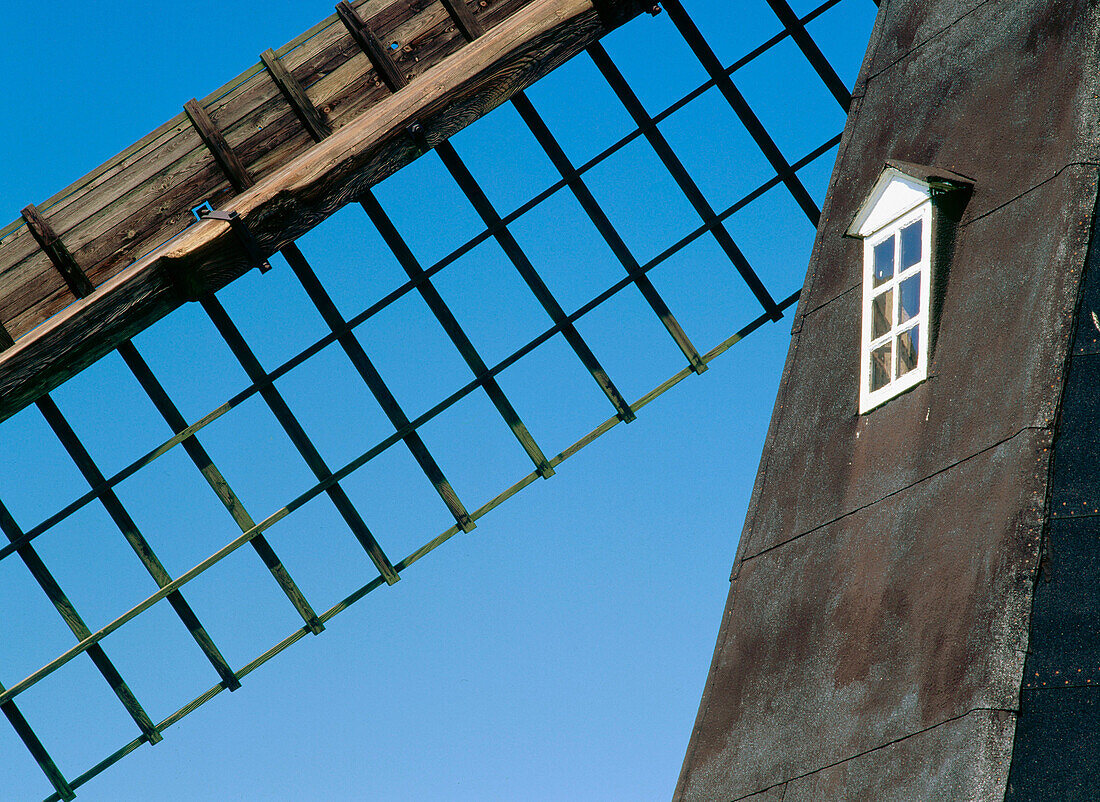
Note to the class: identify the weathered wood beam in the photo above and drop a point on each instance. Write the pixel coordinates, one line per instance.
(296, 96)
(469, 25)
(55, 249)
(378, 53)
(214, 139)
(37, 750)
(290, 201)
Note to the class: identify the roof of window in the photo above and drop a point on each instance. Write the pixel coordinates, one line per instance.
(900, 187)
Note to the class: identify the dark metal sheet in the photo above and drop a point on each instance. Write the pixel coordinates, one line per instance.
(961, 759)
(1065, 619)
(1086, 339)
(1007, 305)
(1057, 746)
(1076, 481)
(895, 619)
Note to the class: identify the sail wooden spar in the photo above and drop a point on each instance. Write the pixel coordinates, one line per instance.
(274, 152)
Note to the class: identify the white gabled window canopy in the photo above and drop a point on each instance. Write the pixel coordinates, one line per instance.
(896, 223)
(900, 188)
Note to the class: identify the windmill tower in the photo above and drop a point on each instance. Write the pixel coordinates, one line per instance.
(913, 611)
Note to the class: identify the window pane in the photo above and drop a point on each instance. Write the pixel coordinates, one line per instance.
(884, 260)
(880, 367)
(909, 290)
(882, 313)
(910, 245)
(908, 342)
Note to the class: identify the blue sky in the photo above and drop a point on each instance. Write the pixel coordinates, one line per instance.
(559, 650)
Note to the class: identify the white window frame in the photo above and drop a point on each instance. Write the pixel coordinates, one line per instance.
(869, 399)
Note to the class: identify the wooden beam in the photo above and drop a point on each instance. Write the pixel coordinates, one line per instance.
(37, 750)
(141, 198)
(55, 249)
(214, 140)
(296, 96)
(468, 24)
(290, 201)
(378, 53)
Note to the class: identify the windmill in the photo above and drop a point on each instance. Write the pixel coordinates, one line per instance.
(230, 164)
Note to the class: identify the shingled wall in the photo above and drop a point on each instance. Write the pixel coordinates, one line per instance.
(880, 613)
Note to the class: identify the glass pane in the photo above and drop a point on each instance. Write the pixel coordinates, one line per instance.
(908, 342)
(909, 290)
(884, 261)
(882, 313)
(910, 245)
(880, 366)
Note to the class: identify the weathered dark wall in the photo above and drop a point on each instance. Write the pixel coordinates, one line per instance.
(874, 638)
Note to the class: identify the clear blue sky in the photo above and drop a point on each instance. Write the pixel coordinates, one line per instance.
(559, 650)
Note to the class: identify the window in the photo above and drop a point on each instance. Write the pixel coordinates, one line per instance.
(897, 225)
(896, 289)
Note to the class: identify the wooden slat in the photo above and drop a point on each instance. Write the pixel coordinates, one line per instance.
(57, 252)
(76, 624)
(291, 200)
(464, 19)
(87, 467)
(129, 220)
(458, 170)
(366, 370)
(298, 437)
(454, 331)
(224, 155)
(592, 208)
(296, 96)
(37, 750)
(218, 483)
(166, 173)
(378, 54)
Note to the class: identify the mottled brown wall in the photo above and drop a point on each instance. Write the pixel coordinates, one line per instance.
(873, 642)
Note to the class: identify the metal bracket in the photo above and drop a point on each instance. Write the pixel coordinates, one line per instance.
(240, 228)
(419, 136)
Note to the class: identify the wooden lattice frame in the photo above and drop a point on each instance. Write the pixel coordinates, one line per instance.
(232, 172)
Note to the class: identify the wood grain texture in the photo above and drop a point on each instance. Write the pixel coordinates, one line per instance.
(378, 54)
(290, 200)
(56, 251)
(464, 18)
(142, 198)
(226, 157)
(296, 96)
